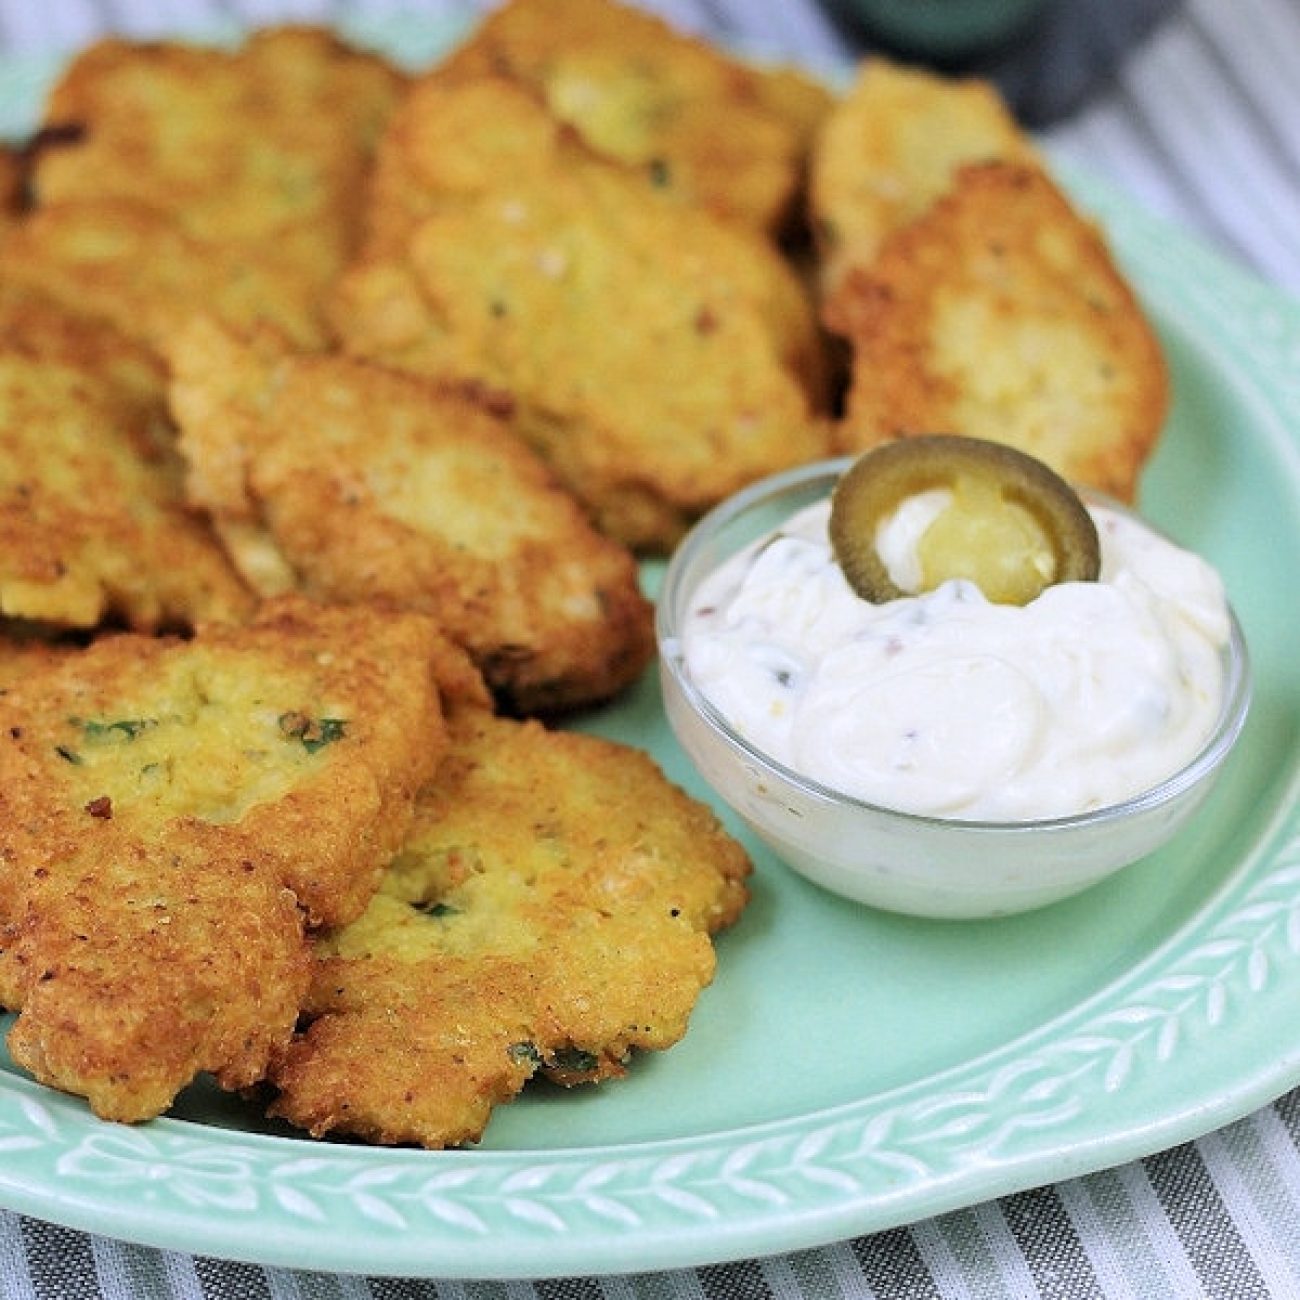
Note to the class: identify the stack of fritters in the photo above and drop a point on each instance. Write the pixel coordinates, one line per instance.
(174, 814)
(657, 356)
(352, 483)
(182, 817)
(973, 298)
(550, 913)
(890, 149)
(999, 314)
(333, 401)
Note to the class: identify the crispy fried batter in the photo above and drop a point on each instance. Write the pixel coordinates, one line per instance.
(550, 914)
(246, 145)
(889, 149)
(173, 812)
(199, 966)
(173, 174)
(353, 482)
(35, 325)
(138, 268)
(93, 523)
(658, 357)
(702, 124)
(1000, 314)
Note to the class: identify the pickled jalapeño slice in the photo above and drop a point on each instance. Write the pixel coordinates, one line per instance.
(1006, 521)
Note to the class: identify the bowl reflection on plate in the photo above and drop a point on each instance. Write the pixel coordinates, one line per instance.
(923, 865)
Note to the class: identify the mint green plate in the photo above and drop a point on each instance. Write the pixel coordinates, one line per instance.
(849, 1070)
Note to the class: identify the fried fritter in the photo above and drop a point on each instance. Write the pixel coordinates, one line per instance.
(890, 147)
(93, 523)
(171, 174)
(1001, 314)
(270, 139)
(658, 357)
(35, 325)
(173, 813)
(550, 914)
(703, 125)
(199, 967)
(139, 269)
(351, 482)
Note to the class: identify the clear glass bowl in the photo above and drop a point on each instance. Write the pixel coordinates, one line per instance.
(926, 866)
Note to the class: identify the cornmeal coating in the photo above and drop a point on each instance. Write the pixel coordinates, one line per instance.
(36, 325)
(350, 482)
(550, 913)
(93, 521)
(196, 963)
(174, 813)
(168, 174)
(890, 147)
(138, 268)
(1001, 314)
(658, 357)
(701, 124)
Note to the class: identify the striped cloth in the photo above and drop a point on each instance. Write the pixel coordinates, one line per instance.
(1201, 123)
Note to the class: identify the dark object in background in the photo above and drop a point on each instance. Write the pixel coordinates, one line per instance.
(1046, 56)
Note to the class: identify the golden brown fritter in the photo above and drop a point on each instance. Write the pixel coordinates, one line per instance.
(1000, 314)
(139, 269)
(172, 813)
(550, 913)
(351, 482)
(93, 523)
(703, 125)
(889, 149)
(35, 325)
(199, 966)
(170, 174)
(659, 358)
(270, 139)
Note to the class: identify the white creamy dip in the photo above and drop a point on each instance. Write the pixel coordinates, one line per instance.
(948, 705)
